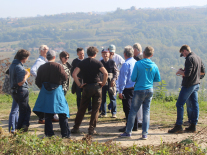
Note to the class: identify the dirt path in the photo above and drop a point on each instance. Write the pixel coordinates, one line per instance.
(108, 131)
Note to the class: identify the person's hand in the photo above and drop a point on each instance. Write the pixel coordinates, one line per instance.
(101, 84)
(113, 82)
(179, 72)
(181, 69)
(82, 85)
(120, 96)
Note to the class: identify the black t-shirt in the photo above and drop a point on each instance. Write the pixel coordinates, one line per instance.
(90, 70)
(109, 65)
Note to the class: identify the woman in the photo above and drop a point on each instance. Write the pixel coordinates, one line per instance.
(19, 86)
(64, 56)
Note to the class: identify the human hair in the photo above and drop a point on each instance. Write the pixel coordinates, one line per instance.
(138, 47)
(63, 54)
(185, 47)
(148, 51)
(79, 49)
(22, 54)
(91, 51)
(42, 47)
(129, 51)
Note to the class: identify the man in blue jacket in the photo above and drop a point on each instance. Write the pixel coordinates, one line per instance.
(145, 72)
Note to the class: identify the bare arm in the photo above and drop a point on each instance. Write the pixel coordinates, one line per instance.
(105, 76)
(27, 74)
(75, 77)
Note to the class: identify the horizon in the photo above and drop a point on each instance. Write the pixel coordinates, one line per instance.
(25, 9)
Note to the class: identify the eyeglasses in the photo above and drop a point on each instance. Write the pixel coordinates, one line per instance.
(66, 57)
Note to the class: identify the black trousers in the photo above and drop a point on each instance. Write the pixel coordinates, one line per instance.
(63, 121)
(129, 93)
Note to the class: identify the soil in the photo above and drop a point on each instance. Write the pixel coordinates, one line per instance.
(108, 131)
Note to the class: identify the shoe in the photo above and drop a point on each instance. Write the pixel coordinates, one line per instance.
(101, 116)
(41, 122)
(109, 111)
(125, 135)
(25, 128)
(187, 123)
(74, 130)
(55, 120)
(191, 128)
(114, 116)
(122, 129)
(176, 129)
(134, 129)
(92, 132)
(90, 111)
(139, 125)
(144, 137)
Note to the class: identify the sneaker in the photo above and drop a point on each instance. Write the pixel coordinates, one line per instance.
(55, 120)
(41, 122)
(187, 123)
(176, 129)
(101, 116)
(144, 137)
(25, 128)
(191, 128)
(125, 135)
(114, 116)
(74, 130)
(122, 129)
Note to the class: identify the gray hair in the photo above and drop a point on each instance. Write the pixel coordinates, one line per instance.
(42, 47)
(138, 47)
(129, 51)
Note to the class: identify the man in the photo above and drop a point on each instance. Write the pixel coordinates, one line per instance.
(119, 62)
(145, 72)
(90, 68)
(77, 90)
(112, 70)
(40, 61)
(192, 72)
(51, 99)
(138, 56)
(126, 85)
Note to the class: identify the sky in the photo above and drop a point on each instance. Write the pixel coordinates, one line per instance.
(32, 8)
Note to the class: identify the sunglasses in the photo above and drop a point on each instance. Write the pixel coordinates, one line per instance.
(66, 57)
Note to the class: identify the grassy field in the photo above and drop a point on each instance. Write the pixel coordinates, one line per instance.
(162, 113)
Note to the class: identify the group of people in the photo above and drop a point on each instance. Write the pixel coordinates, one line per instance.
(132, 79)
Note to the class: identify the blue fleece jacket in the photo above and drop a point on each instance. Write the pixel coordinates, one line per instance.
(145, 72)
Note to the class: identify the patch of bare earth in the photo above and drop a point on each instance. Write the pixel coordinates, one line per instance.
(108, 131)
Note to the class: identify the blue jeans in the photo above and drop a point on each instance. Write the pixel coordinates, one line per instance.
(140, 97)
(105, 89)
(13, 117)
(22, 98)
(191, 94)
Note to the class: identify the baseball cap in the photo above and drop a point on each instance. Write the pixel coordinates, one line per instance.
(51, 54)
(112, 48)
(104, 51)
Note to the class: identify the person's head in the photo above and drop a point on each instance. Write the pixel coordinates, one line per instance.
(51, 55)
(22, 55)
(185, 50)
(43, 50)
(112, 49)
(92, 51)
(105, 54)
(80, 53)
(137, 49)
(128, 52)
(64, 56)
(148, 52)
